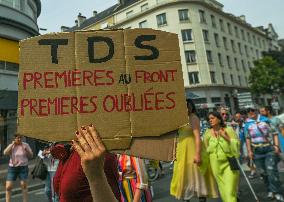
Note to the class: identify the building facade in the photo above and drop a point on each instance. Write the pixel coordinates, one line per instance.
(18, 20)
(217, 48)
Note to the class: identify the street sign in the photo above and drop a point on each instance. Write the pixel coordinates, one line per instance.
(245, 100)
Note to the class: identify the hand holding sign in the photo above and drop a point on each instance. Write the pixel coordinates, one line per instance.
(91, 151)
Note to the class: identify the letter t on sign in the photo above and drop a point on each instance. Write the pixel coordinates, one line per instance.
(54, 43)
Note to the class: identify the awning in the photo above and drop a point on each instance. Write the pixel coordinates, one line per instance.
(8, 99)
(190, 95)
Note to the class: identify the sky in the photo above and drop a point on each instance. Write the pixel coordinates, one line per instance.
(56, 13)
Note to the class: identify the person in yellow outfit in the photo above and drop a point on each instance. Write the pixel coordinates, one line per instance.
(222, 142)
(188, 181)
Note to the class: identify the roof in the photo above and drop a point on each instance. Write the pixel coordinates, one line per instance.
(103, 14)
(8, 99)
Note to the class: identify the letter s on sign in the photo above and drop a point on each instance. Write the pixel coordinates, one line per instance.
(138, 44)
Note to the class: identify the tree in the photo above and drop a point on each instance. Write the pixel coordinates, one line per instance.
(276, 55)
(267, 76)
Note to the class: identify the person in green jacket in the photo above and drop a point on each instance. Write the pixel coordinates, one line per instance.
(221, 142)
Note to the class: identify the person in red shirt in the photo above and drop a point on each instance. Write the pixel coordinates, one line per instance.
(70, 181)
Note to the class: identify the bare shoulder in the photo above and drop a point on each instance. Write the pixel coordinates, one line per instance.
(194, 118)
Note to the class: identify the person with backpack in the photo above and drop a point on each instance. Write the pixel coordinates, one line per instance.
(267, 111)
(263, 149)
(51, 164)
(20, 153)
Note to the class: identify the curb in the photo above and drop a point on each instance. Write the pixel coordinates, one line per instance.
(19, 190)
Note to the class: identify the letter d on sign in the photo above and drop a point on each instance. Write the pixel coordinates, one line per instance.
(91, 52)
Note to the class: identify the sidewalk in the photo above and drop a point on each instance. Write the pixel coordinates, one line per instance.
(33, 184)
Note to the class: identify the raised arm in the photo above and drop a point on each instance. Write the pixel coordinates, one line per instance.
(91, 150)
(8, 149)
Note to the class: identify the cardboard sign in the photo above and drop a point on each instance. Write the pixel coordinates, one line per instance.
(128, 83)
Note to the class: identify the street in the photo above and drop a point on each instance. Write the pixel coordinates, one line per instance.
(161, 191)
(34, 196)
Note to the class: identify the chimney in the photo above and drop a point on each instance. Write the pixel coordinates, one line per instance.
(64, 29)
(81, 19)
(122, 2)
(243, 18)
(95, 13)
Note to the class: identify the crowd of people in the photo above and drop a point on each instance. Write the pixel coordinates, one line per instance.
(225, 142)
(206, 166)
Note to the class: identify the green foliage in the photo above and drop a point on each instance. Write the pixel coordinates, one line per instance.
(267, 76)
(276, 55)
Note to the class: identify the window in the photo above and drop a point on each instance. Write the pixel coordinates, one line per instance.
(213, 21)
(233, 46)
(186, 34)
(220, 60)
(246, 50)
(209, 56)
(12, 66)
(205, 35)
(190, 56)
(183, 15)
(17, 4)
(200, 100)
(237, 32)
(243, 65)
(232, 79)
(161, 19)
(257, 54)
(9, 66)
(216, 37)
(253, 38)
(213, 78)
(243, 35)
(2, 65)
(215, 99)
(143, 24)
(248, 36)
(129, 13)
(229, 61)
(249, 66)
(224, 78)
(240, 48)
(240, 80)
(229, 28)
(30, 10)
(104, 25)
(225, 43)
(264, 44)
(259, 42)
(193, 77)
(236, 63)
(8, 2)
(202, 16)
(221, 25)
(22, 5)
(144, 7)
